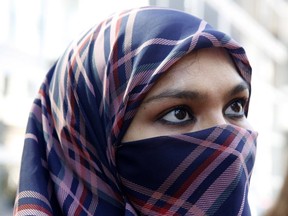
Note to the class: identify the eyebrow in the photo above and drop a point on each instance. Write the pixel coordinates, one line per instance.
(194, 94)
(240, 88)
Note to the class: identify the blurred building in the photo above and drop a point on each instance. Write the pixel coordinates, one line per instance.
(35, 32)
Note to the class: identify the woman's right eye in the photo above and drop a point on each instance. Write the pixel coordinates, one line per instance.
(177, 116)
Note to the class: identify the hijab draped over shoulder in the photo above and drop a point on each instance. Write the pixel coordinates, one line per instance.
(87, 101)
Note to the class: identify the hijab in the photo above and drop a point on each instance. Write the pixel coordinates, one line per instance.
(89, 98)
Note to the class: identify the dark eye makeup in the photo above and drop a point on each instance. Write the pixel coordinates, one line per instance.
(180, 115)
(236, 108)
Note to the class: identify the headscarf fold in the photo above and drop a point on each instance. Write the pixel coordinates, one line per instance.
(88, 100)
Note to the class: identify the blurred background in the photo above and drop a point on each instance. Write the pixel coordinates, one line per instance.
(34, 33)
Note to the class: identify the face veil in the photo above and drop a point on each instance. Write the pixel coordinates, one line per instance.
(87, 101)
(200, 173)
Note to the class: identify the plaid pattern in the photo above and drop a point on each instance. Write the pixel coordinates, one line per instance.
(87, 101)
(201, 173)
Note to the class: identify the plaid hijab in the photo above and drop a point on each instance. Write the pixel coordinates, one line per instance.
(88, 100)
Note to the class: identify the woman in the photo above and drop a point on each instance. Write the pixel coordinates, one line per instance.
(144, 115)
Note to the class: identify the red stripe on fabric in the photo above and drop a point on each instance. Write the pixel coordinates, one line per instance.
(43, 94)
(72, 101)
(115, 56)
(33, 207)
(71, 96)
(149, 206)
(82, 199)
(83, 44)
(204, 165)
(200, 169)
(115, 76)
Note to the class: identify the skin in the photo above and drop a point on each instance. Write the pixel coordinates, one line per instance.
(202, 90)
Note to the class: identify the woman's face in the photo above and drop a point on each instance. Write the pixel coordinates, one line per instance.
(201, 90)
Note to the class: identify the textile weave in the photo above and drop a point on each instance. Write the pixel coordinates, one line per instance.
(88, 100)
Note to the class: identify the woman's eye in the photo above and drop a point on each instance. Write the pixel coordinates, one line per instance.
(236, 109)
(178, 115)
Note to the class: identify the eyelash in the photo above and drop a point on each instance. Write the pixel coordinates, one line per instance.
(242, 101)
(179, 107)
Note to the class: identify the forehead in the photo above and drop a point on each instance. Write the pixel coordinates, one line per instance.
(202, 70)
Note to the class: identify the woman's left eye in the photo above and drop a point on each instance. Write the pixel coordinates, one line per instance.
(236, 109)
